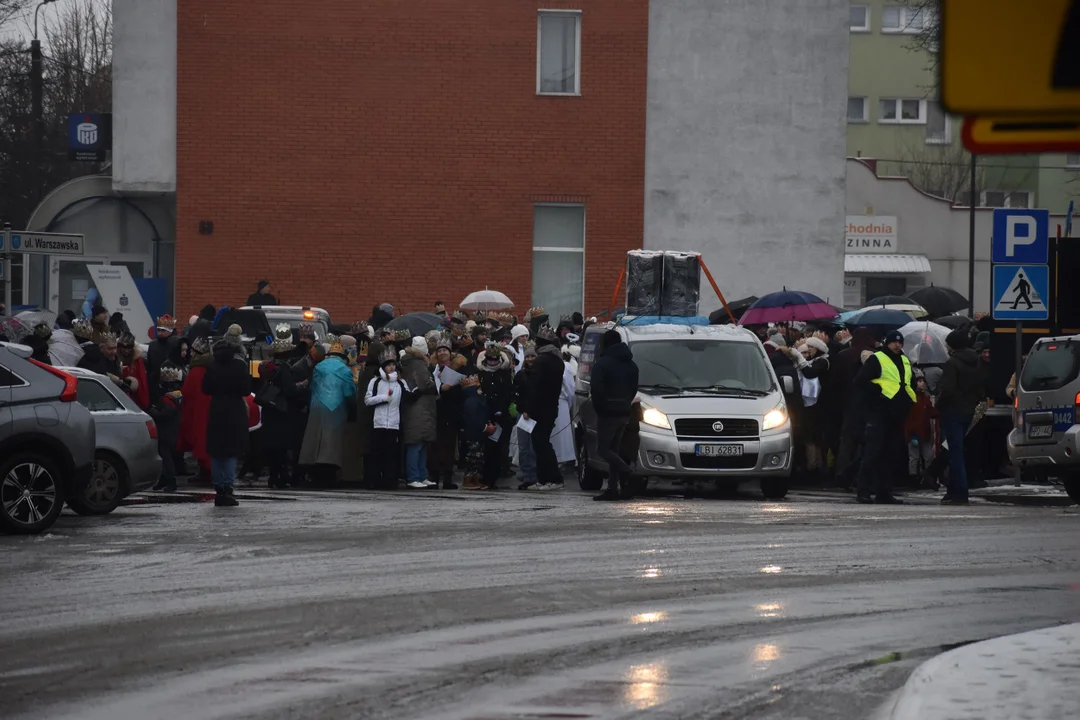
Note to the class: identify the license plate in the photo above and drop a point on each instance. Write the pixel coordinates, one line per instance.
(1041, 431)
(718, 450)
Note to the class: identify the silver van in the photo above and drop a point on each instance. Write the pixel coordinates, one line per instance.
(712, 407)
(1045, 439)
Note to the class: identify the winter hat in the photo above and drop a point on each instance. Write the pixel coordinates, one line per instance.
(818, 345)
(609, 338)
(431, 337)
(778, 340)
(232, 335)
(891, 337)
(263, 284)
(283, 343)
(42, 331)
(519, 331)
(470, 325)
(957, 340)
(98, 310)
(200, 346)
(530, 349)
(387, 308)
(420, 345)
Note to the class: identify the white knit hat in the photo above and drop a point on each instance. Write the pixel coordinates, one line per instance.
(817, 344)
(420, 344)
(519, 331)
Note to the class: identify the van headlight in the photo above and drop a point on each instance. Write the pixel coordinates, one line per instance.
(774, 419)
(652, 416)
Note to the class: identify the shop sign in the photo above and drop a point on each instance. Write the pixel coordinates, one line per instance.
(870, 234)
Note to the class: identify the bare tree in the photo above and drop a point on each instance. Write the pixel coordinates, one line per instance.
(12, 9)
(928, 39)
(941, 170)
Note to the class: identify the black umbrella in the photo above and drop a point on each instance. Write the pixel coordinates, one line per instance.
(880, 320)
(939, 301)
(738, 307)
(954, 322)
(888, 300)
(416, 323)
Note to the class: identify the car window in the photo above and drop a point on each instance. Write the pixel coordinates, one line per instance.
(589, 347)
(7, 379)
(95, 398)
(1051, 366)
(702, 364)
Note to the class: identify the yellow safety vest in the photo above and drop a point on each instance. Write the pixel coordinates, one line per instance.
(890, 382)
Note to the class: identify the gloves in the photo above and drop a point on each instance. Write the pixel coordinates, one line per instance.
(132, 384)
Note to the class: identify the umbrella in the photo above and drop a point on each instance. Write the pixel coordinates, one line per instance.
(924, 342)
(880, 319)
(33, 318)
(914, 311)
(738, 307)
(14, 329)
(939, 301)
(486, 300)
(954, 322)
(787, 306)
(888, 300)
(416, 323)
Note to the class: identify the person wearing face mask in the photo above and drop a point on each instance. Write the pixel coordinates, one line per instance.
(385, 393)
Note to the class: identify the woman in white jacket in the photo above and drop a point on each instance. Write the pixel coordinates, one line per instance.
(385, 393)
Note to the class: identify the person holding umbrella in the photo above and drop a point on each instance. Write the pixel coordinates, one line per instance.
(886, 378)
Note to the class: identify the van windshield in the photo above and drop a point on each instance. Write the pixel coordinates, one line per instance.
(1051, 366)
(701, 365)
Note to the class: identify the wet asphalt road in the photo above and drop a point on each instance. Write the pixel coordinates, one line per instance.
(513, 605)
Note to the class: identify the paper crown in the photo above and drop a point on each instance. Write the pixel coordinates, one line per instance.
(126, 339)
(282, 339)
(535, 313)
(444, 341)
(402, 335)
(504, 318)
(459, 316)
(82, 329)
(546, 334)
(107, 337)
(171, 374)
(200, 345)
(480, 316)
(167, 322)
(388, 355)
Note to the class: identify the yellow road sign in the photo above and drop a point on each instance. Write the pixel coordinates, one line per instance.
(1008, 57)
(1018, 135)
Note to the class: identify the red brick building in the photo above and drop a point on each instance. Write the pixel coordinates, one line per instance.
(381, 150)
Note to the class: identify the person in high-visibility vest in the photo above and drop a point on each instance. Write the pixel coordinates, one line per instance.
(886, 378)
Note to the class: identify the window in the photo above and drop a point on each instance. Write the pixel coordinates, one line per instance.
(937, 125)
(94, 397)
(558, 40)
(856, 110)
(882, 286)
(8, 379)
(1072, 161)
(901, 19)
(901, 111)
(559, 258)
(1051, 366)
(1006, 198)
(702, 364)
(860, 18)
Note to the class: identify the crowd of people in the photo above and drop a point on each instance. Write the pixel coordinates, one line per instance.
(864, 415)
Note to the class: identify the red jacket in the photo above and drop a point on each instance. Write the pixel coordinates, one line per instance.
(137, 370)
(194, 414)
(918, 420)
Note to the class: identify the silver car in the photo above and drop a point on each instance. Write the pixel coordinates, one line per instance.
(712, 408)
(1046, 437)
(46, 441)
(126, 459)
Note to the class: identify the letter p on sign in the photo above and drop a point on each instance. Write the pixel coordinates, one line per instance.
(1020, 237)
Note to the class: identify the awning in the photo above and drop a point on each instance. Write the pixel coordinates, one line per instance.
(895, 264)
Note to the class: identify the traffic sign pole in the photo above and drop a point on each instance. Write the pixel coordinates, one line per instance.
(7, 269)
(1019, 362)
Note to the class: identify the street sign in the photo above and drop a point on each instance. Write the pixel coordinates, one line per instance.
(45, 243)
(1015, 135)
(1021, 236)
(1021, 292)
(1008, 57)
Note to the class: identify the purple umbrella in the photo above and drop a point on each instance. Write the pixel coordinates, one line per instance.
(787, 306)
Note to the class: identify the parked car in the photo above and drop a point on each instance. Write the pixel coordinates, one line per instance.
(712, 408)
(47, 441)
(1045, 440)
(126, 457)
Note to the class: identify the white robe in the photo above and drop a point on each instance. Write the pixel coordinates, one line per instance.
(562, 438)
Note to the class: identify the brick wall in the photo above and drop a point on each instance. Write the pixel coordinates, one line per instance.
(383, 150)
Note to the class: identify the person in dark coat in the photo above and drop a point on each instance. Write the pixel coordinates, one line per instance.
(165, 412)
(204, 326)
(381, 315)
(476, 428)
(418, 414)
(447, 413)
(887, 379)
(526, 454)
(277, 419)
(962, 388)
(497, 385)
(845, 406)
(161, 349)
(262, 296)
(118, 324)
(545, 388)
(613, 389)
(228, 383)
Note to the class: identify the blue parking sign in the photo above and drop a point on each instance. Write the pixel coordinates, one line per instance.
(1021, 236)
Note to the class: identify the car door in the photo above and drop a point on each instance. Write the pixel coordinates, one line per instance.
(6, 421)
(584, 411)
(114, 431)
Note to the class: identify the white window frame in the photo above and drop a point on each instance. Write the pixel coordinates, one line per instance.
(865, 110)
(540, 13)
(1075, 164)
(921, 120)
(947, 140)
(584, 239)
(906, 13)
(1008, 194)
(865, 28)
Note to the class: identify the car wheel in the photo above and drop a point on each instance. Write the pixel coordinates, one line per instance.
(30, 494)
(1072, 486)
(774, 488)
(588, 479)
(105, 490)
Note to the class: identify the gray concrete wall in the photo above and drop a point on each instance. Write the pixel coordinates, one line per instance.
(144, 96)
(745, 142)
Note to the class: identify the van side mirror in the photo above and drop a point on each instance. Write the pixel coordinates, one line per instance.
(789, 385)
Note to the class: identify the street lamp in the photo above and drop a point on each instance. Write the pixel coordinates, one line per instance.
(36, 100)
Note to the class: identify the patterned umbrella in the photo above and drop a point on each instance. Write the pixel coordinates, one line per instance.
(33, 318)
(787, 306)
(14, 329)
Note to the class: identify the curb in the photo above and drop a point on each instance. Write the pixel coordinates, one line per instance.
(181, 497)
(1029, 500)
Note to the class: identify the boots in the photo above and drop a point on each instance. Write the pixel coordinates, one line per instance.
(472, 482)
(448, 482)
(224, 498)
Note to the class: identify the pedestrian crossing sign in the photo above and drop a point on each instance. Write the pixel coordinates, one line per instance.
(1021, 292)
